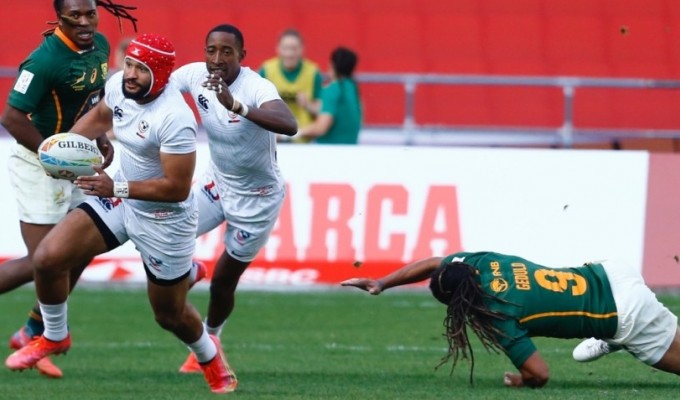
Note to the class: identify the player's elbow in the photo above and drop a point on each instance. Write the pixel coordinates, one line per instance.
(537, 380)
(174, 193)
(179, 195)
(10, 119)
(290, 127)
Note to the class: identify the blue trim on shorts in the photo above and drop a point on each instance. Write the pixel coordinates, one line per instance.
(164, 282)
(110, 239)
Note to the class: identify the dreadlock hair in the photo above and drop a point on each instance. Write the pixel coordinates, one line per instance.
(118, 10)
(454, 285)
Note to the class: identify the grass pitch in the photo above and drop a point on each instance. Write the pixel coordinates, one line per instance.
(340, 344)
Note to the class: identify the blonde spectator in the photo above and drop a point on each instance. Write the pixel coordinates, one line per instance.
(298, 80)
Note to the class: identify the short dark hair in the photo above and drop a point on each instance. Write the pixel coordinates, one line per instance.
(228, 29)
(344, 61)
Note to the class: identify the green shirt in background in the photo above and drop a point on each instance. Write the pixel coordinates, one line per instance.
(58, 84)
(341, 99)
(542, 301)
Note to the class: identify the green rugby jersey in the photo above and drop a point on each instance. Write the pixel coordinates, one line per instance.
(541, 301)
(58, 83)
(341, 99)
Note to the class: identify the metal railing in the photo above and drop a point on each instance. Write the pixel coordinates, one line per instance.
(565, 135)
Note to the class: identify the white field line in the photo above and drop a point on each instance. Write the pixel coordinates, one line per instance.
(264, 347)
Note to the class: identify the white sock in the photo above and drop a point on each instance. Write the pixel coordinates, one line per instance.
(54, 318)
(204, 348)
(215, 331)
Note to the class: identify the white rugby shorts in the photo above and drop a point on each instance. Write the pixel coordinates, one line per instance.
(646, 327)
(250, 218)
(166, 246)
(41, 199)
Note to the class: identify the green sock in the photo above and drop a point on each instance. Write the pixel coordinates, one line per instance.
(34, 325)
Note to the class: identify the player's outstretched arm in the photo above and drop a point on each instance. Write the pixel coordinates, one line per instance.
(411, 273)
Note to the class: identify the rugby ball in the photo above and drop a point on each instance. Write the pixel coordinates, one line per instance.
(68, 156)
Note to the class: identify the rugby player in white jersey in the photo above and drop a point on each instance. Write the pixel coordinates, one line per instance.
(241, 112)
(149, 201)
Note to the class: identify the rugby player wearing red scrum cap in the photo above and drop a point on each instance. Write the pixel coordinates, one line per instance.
(148, 201)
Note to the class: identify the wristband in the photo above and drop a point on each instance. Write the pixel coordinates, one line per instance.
(121, 190)
(235, 105)
(244, 110)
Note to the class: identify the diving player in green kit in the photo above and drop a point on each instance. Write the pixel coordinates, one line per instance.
(505, 300)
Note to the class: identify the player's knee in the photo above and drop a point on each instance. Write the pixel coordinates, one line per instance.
(168, 320)
(538, 380)
(46, 258)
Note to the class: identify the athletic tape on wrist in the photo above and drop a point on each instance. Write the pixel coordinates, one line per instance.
(244, 110)
(121, 189)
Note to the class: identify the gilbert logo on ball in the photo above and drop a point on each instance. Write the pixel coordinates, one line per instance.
(68, 156)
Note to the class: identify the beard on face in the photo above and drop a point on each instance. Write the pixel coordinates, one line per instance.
(143, 90)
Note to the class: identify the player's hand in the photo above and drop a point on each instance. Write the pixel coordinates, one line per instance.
(106, 148)
(215, 83)
(372, 286)
(513, 380)
(100, 185)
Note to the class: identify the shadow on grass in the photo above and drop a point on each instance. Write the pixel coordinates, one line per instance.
(632, 383)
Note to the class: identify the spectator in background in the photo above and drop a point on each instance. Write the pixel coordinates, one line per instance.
(298, 80)
(339, 119)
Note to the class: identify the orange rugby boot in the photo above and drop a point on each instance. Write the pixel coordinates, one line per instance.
(218, 374)
(44, 365)
(36, 350)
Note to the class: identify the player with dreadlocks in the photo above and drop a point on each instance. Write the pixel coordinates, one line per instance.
(457, 288)
(57, 83)
(505, 300)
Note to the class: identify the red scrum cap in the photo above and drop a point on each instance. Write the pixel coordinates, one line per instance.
(157, 54)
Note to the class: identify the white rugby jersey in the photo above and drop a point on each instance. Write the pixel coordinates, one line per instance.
(242, 153)
(165, 125)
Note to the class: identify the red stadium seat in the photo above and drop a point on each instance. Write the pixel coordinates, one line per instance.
(513, 44)
(574, 39)
(341, 28)
(642, 41)
(453, 43)
(394, 42)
